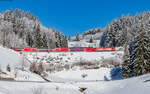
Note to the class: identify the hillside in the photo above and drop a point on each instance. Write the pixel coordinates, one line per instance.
(82, 73)
(119, 32)
(10, 57)
(20, 29)
(90, 38)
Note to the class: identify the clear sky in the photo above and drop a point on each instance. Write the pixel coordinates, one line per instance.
(71, 16)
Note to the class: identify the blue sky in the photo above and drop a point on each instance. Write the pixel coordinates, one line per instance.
(71, 16)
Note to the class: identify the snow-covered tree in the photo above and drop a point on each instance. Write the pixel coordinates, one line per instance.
(77, 37)
(126, 65)
(141, 55)
(91, 40)
(38, 38)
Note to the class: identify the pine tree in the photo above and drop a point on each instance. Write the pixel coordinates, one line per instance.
(58, 41)
(126, 66)
(141, 55)
(91, 40)
(44, 41)
(29, 39)
(110, 37)
(38, 39)
(65, 42)
(69, 38)
(77, 37)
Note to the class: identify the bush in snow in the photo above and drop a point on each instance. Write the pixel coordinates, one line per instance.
(111, 62)
(41, 68)
(33, 67)
(84, 75)
(8, 68)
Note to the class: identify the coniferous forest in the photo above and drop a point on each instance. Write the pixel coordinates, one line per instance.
(20, 29)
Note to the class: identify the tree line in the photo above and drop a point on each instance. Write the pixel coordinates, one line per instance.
(19, 29)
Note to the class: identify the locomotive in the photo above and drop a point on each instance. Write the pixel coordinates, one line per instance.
(87, 49)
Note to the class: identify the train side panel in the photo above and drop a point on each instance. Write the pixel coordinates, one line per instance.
(76, 49)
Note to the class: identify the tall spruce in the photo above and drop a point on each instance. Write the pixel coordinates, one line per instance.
(29, 39)
(38, 39)
(91, 40)
(126, 65)
(77, 37)
(44, 41)
(141, 55)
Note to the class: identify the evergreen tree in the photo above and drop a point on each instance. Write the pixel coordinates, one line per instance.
(69, 38)
(110, 40)
(44, 41)
(141, 55)
(38, 39)
(126, 66)
(58, 41)
(77, 37)
(29, 39)
(65, 42)
(91, 40)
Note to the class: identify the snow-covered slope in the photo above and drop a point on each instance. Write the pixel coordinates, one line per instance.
(81, 75)
(83, 43)
(129, 86)
(95, 34)
(95, 81)
(8, 56)
(14, 59)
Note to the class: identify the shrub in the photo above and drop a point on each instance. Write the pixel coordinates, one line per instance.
(8, 68)
(33, 67)
(41, 68)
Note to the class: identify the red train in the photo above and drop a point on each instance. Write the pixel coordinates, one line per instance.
(88, 49)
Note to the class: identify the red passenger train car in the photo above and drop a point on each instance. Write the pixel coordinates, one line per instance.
(60, 50)
(88, 49)
(76, 49)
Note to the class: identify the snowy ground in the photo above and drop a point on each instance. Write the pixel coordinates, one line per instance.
(129, 86)
(96, 80)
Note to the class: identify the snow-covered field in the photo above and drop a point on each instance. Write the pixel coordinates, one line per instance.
(129, 86)
(67, 81)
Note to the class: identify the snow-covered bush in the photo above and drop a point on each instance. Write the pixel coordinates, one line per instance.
(8, 68)
(33, 67)
(41, 68)
(111, 62)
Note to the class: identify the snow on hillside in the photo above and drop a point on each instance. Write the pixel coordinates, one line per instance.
(10, 57)
(83, 43)
(81, 75)
(14, 59)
